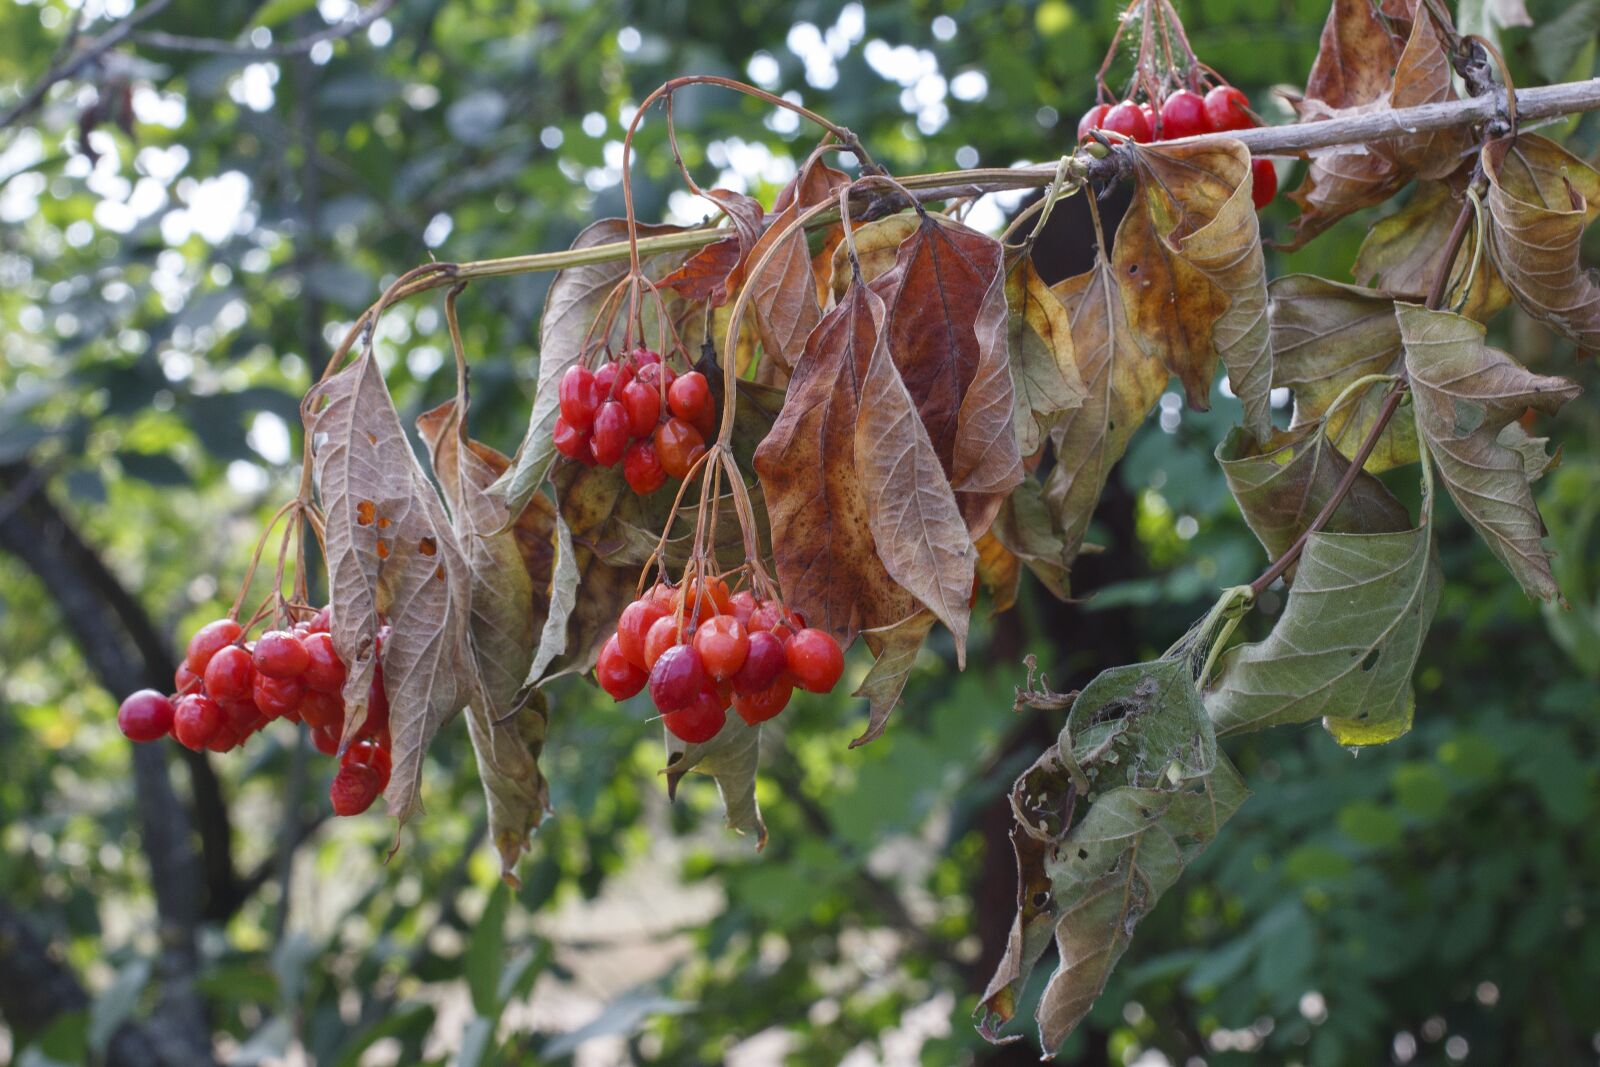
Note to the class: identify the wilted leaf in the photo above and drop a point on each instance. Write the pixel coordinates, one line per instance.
(1121, 385)
(731, 758)
(1140, 737)
(504, 626)
(896, 647)
(1466, 394)
(1424, 76)
(1540, 199)
(1188, 261)
(1537, 460)
(1404, 253)
(946, 331)
(817, 506)
(1325, 336)
(1283, 484)
(588, 592)
(391, 553)
(574, 299)
(999, 569)
(714, 273)
(784, 297)
(916, 526)
(1344, 648)
(1044, 369)
(877, 246)
(1026, 528)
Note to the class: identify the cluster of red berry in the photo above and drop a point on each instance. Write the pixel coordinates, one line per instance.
(1185, 114)
(637, 412)
(228, 688)
(702, 649)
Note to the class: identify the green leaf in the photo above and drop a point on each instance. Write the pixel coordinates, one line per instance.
(1344, 648)
(1557, 43)
(1466, 395)
(731, 758)
(1282, 485)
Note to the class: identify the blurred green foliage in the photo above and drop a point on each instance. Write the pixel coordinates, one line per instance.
(161, 309)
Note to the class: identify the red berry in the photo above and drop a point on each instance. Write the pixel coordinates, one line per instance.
(354, 789)
(775, 618)
(1093, 119)
(1228, 109)
(764, 662)
(184, 680)
(635, 623)
(1263, 182)
(642, 469)
(196, 720)
(324, 669)
(689, 395)
(700, 719)
(765, 704)
(321, 622)
(643, 405)
(741, 606)
(376, 723)
(610, 434)
(145, 716)
(230, 674)
(652, 374)
(663, 634)
(207, 640)
(241, 716)
(1128, 120)
(678, 445)
(325, 739)
(676, 678)
(578, 396)
(322, 710)
(281, 654)
(706, 422)
(370, 754)
(277, 697)
(815, 659)
(723, 646)
(572, 443)
(706, 598)
(611, 379)
(1183, 114)
(616, 675)
(643, 357)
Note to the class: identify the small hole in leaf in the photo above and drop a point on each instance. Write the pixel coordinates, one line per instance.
(1133, 268)
(372, 438)
(1372, 659)
(384, 522)
(1083, 854)
(365, 510)
(1041, 899)
(428, 547)
(383, 549)
(438, 572)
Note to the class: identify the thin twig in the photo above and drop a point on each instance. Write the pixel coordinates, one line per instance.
(173, 42)
(90, 53)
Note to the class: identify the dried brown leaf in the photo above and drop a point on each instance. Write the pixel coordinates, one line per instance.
(1403, 253)
(896, 647)
(785, 301)
(714, 273)
(1044, 368)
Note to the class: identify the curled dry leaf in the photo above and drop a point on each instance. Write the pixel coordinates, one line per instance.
(1121, 384)
(1044, 367)
(731, 758)
(877, 246)
(1466, 395)
(1403, 253)
(570, 307)
(507, 726)
(896, 649)
(1541, 197)
(1188, 261)
(1325, 336)
(1283, 483)
(714, 273)
(946, 332)
(785, 297)
(391, 553)
(588, 590)
(1026, 527)
(1345, 646)
(1424, 76)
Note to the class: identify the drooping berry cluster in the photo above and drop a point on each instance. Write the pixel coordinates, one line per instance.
(637, 412)
(701, 650)
(1185, 114)
(228, 688)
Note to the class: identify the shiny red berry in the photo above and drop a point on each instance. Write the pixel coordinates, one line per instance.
(611, 379)
(815, 659)
(325, 671)
(642, 468)
(618, 677)
(370, 754)
(723, 645)
(230, 674)
(610, 440)
(633, 626)
(765, 704)
(764, 661)
(184, 680)
(325, 739)
(663, 634)
(570, 442)
(1183, 114)
(678, 445)
(643, 405)
(1228, 109)
(354, 789)
(700, 719)
(207, 640)
(196, 719)
(322, 710)
(277, 697)
(145, 716)
(281, 654)
(1263, 182)
(1093, 119)
(676, 678)
(1127, 119)
(741, 606)
(689, 395)
(577, 397)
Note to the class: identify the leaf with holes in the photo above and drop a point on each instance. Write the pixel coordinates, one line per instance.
(392, 555)
(1121, 384)
(714, 273)
(1541, 197)
(575, 298)
(1326, 336)
(817, 506)
(1403, 253)
(1044, 368)
(507, 731)
(946, 332)
(1188, 261)
(1466, 394)
(1345, 646)
(731, 758)
(896, 649)
(1283, 484)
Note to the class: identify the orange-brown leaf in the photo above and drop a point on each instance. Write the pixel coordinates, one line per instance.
(784, 297)
(714, 273)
